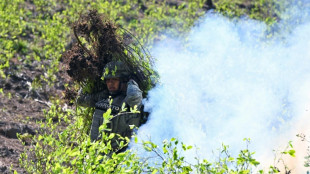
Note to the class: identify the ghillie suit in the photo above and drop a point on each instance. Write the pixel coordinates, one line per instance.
(99, 41)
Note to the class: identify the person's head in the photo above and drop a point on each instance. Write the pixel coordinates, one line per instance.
(116, 76)
(113, 84)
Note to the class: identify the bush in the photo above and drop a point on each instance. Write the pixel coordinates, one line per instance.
(63, 146)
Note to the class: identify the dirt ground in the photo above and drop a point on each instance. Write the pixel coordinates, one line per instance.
(20, 108)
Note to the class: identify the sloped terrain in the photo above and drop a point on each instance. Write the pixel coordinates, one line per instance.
(21, 108)
(35, 76)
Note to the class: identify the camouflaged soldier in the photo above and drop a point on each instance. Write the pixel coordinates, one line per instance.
(121, 90)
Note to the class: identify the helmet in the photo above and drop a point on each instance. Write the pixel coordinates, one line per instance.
(115, 69)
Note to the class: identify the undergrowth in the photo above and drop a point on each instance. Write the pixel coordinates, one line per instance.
(64, 146)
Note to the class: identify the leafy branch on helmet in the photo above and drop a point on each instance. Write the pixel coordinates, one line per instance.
(99, 41)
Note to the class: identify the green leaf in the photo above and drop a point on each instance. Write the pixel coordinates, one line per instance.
(112, 135)
(75, 152)
(290, 144)
(147, 148)
(231, 159)
(154, 171)
(165, 150)
(292, 152)
(254, 162)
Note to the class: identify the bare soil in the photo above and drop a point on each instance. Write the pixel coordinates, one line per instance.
(20, 109)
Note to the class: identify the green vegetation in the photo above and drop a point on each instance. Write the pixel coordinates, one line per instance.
(39, 31)
(264, 10)
(63, 146)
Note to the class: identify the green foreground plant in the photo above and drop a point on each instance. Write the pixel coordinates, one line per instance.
(62, 145)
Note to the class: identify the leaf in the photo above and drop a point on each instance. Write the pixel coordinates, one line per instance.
(165, 150)
(147, 148)
(99, 158)
(75, 152)
(112, 135)
(183, 146)
(254, 162)
(73, 161)
(154, 171)
(131, 126)
(290, 144)
(231, 159)
(40, 137)
(292, 152)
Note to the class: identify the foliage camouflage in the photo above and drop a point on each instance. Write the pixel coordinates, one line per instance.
(104, 42)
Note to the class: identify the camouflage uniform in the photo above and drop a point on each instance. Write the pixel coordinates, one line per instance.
(120, 122)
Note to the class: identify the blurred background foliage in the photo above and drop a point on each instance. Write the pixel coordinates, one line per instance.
(37, 32)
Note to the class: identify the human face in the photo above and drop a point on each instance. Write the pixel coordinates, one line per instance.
(112, 84)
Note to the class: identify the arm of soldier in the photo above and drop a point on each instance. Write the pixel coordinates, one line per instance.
(134, 94)
(96, 123)
(89, 100)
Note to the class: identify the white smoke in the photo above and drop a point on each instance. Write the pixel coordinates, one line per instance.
(231, 83)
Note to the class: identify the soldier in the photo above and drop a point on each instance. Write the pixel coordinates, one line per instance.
(121, 90)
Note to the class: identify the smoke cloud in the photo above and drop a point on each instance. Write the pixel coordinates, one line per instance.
(231, 82)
